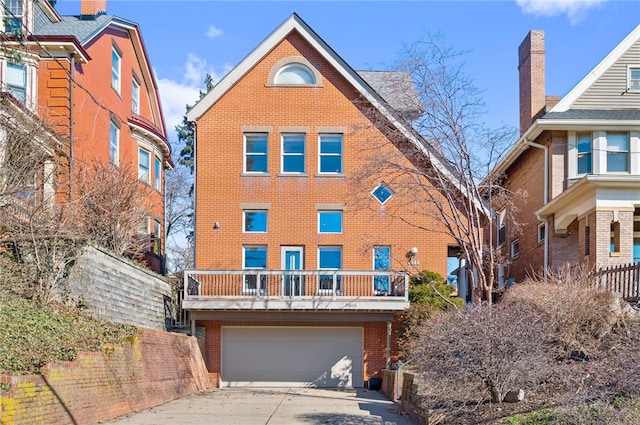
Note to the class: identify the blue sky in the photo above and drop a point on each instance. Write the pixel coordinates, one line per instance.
(186, 39)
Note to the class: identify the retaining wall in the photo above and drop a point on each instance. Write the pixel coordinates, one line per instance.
(119, 290)
(148, 370)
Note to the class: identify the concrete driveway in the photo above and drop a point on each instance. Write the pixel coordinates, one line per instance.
(273, 406)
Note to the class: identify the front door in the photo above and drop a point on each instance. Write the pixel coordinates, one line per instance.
(292, 259)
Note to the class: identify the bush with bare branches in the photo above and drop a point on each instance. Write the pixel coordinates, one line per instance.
(477, 355)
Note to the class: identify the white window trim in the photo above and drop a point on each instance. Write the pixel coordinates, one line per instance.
(244, 155)
(149, 156)
(337, 281)
(606, 152)
(116, 82)
(115, 161)
(320, 155)
(244, 221)
(304, 154)
(262, 282)
(135, 95)
(629, 69)
(544, 233)
(500, 224)
(157, 173)
(514, 243)
(320, 212)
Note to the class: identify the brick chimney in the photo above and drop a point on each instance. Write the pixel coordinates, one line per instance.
(89, 9)
(531, 54)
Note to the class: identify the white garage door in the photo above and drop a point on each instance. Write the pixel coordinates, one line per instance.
(291, 357)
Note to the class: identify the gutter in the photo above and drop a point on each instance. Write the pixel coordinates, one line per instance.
(546, 201)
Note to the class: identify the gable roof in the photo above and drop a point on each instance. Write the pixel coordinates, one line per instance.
(567, 101)
(295, 23)
(563, 117)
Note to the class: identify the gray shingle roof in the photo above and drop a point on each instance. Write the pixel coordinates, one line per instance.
(82, 29)
(395, 87)
(595, 114)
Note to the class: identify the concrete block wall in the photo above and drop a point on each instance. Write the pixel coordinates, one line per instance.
(146, 371)
(118, 290)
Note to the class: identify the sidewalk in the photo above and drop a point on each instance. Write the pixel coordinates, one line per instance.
(273, 406)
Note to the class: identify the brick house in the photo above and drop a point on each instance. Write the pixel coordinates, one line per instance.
(88, 77)
(299, 270)
(578, 157)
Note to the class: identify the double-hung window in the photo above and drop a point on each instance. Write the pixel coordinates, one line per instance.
(584, 144)
(114, 136)
(330, 258)
(17, 81)
(634, 79)
(156, 237)
(331, 148)
(135, 95)
(157, 176)
(293, 153)
(256, 152)
(502, 227)
(13, 14)
(116, 66)
(144, 164)
(617, 152)
(255, 221)
(254, 259)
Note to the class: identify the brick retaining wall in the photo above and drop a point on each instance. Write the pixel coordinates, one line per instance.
(146, 371)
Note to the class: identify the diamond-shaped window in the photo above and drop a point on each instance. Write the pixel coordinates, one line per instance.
(382, 193)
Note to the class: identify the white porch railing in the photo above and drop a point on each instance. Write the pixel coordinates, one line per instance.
(217, 288)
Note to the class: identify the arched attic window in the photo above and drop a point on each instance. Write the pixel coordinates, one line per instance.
(294, 71)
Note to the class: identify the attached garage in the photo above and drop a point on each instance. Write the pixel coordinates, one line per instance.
(328, 357)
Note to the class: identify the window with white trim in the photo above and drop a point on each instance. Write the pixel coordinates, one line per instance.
(584, 144)
(382, 192)
(330, 258)
(13, 15)
(515, 248)
(256, 152)
(633, 79)
(17, 81)
(157, 176)
(295, 74)
(116, 66)
(501, 227)
(329, 221)
(617, 152)
(156, 237)
(542, 232)
(293, 153)
(144, 165)
(254, 258)
(135, 95)
(114, 142)
(330, 154)
(254, 221)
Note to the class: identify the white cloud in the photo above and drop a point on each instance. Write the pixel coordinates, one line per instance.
(213, 32)
(176, 95)
(574, 9)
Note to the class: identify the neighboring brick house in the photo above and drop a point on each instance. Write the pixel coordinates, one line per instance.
(295, 282)
(578, 157)
(88, 77)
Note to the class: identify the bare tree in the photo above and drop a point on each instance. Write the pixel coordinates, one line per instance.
(445, 172)
(178, 218)
(113, 207)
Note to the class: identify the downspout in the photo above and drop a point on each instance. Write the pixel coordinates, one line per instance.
(72, 62)
(546, 200)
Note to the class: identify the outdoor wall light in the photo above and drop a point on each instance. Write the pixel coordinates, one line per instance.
(216, 225)
(411, 256)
